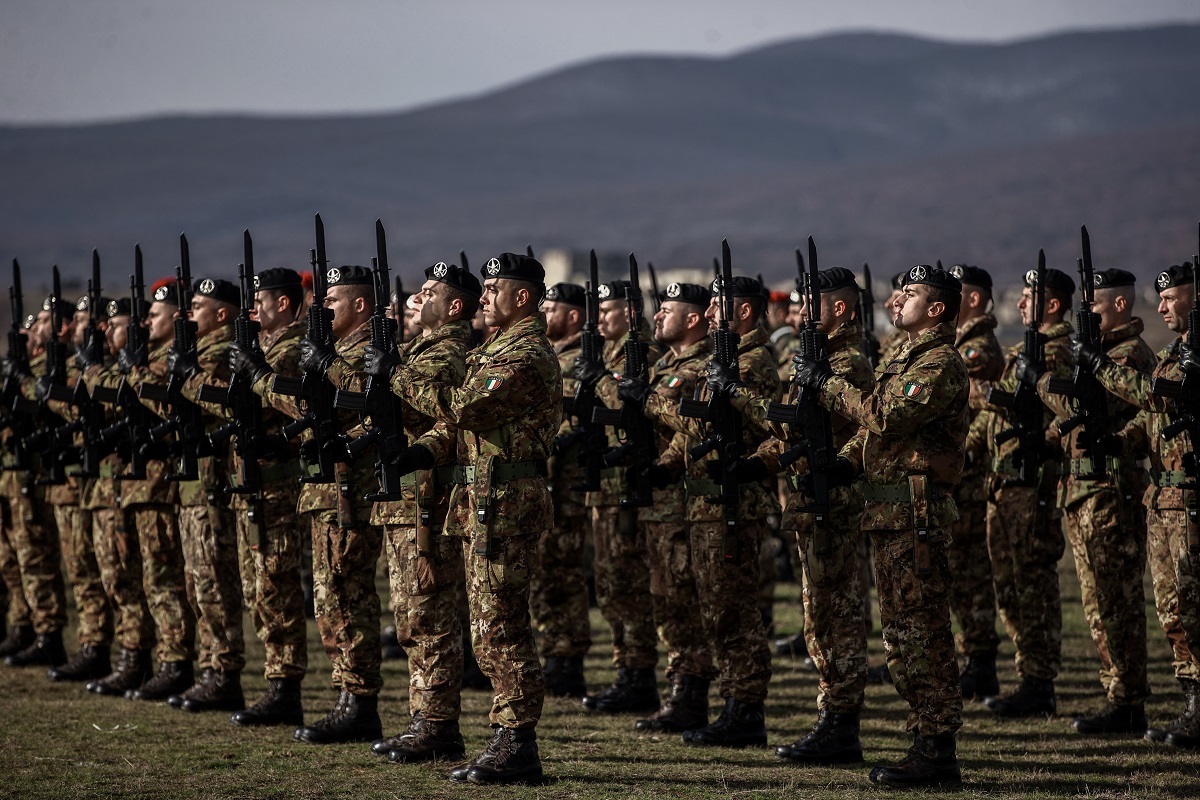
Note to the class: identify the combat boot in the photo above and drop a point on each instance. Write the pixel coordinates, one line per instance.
(978, 676)
(563, 676)
(833, 740)
(793, 645)
(90, 662)
(206, 675)
(1113, 719)
(354, 718)
(633, 690)
(18, 638)
(173, 677)
(1187, 734)
(280, 705)
(740, 725)
(425, 740)
(1034, 697)
(1191, 707)
(685, 708)
(931, 763)
(222, 693)
(392, 651)
(133, 669)
(510, 757)
(46, 651)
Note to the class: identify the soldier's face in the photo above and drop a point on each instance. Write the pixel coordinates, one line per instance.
(208, 314)
(897, 294)
(39, 334)
(673, 320)
(159, 321)
(828, 314)
(1111, 305)
(1174, 305)
(432, 304)
(795, 315)
(79, 321)
(613, 322)
(914, 312)
(1025, 306)
(502, 301)
(269, 309)
(349, 309)
(561, 319)
(116, 334)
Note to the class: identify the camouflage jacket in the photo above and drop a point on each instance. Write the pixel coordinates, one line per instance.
(981, 352)
(566, 470)
(784, 344)
(913, 423)
(891, 345)
(103, 491)
(14, 482)
(155, 489)
(212, 354)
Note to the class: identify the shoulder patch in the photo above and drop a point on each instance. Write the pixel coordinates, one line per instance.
(492, 383)
(673, 381)
(912, 389)
(971, 353)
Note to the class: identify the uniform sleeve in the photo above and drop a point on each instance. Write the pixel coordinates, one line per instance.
(442, 441)
(901, 407)
(1131, 386)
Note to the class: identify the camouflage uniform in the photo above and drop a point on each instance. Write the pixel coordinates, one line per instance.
(891, 345)
(17, 612)
(910, 442)
(499, 427)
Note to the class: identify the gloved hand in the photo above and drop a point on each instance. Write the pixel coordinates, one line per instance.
(1027, 370)
(589, 373)
(748, 470)
(315, 357)
(722, 379)
(126, 361)
(1189, 360)
(411, 459)
(249, 362)
(1087, 354)
(380, 363)
(657, 476)
(565, 441)
(840, 473)
(1109, 444)
(92, 352)
(811, 374)
(337, 448)
(182, 365)
(633, 390)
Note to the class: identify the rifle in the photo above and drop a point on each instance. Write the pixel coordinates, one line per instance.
(866, 311)
(585, 403)
(1024, 408)
(90, 418)
(720, 414)
(52, 385)
(655, 297)
(18, 367)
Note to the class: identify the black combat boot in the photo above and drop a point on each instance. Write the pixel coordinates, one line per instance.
(1034, 697)
(931, 763)
(173, 677)
(510, 757)
(280, 705)
(1113, 719)
(978, 676)
(425, 740)
(354, 718)
(89, 663)
(19, 637)
(685, 708)
(793, 645)
(46, 651)
(133, 669)
(633, 690)
(392, 651)
(833, 740)
(1191, 707)
(222, 693)
(563, 676)
(206, 676)
(1187, 734)
(740, 725)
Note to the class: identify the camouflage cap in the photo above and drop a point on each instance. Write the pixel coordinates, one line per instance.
(613, 290)
(454, 276)
(972, 276)
(349, 275)
(1056, 279)
(924, 274)
(1112, 278)
(514, 266)
(834, 278)
(1175, 275)
(742, 287)
(690, 293)
(218, 289)
(571, 294)
(121, 307)
(277, 278)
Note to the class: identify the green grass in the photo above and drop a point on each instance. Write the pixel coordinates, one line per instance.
(59, 742)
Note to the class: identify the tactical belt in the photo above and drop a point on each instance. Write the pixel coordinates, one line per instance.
(442, 476)
(1086, 466)
(1007, 468)
(704, 486)
(1170, 478)
(500, 472)
(887, 492)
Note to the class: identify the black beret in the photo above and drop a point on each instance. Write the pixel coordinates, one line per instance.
(571, 294)
(514, 266)
(613, 290)
(1056, 279)
(349, 275)
(218, 289)
(454, 276)
(742, 287)
(972, 275)
(168, 294)
(65, 309)
(690, 293)
(795, 297)
(932, 276)
(277, 278)
(1175, 275)
(82, 305)
(1111, 278)
(898, 280)
(121, 307)
(834, 278)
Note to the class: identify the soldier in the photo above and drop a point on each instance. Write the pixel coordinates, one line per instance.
(892, 343)
(558, 594)
(1024, 533)
(500, 426)
(19, 626)
(972, 595)
(909, 450)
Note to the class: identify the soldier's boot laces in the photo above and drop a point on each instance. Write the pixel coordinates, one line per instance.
(978, 676)
(222, 693)
(427, 740)
(133, 669)
(46, 651)
(279, 705)
(354, 718)
(19, 637)
(740, 725)
(684, 709)
(392, 651)
(931, 763)
(833, 740)
(206, 677)
(563, 676)
(91, 662)
(793, 645)
(1034, 697)
(1187, 734)
(1191, 702)
(635, 689)
(510, 757)
(173, 677)
(1113, 719)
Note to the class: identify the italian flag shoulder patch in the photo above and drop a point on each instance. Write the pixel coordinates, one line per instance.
(912, 389)
(673, 381)
(492, 383)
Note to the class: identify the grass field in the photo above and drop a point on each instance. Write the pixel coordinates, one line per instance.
(59, 742)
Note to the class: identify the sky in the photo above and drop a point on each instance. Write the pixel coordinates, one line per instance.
(68, 61)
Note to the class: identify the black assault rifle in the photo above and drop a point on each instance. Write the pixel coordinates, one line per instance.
(585, 430)
(52, 385)
(89, 420)
(866, 313)
(19, 422)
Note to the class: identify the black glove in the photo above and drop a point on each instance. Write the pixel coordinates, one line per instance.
(249, 362)
(337, 449)
(722, 379)
(380, 363)
(315, 357)
(94, 348)
(126, 361)
(811, 374)
(411, 459)
(839, 473)
(11, 369)
(1027, 370)
(1108, 444)
(748, 470)
(589, 373)
(1087, 354)
(656, 476)
(182, 365)
(633, 390)
(1189, 361)
(565, 441)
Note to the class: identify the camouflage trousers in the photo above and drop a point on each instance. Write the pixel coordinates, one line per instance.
(83, 573)
(1176, 576)
(346, 601)
(1025, 543)
(558, 596)
(918, 644)
(269, 551)
(623, 586)
(676, 607)
(120, 566)
(10, 570)
(725, 589)
(972, 593)
(425, 589)
(1108, 539)
(164, 579)
(501, 633)
(214, 583)
(35, 540)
